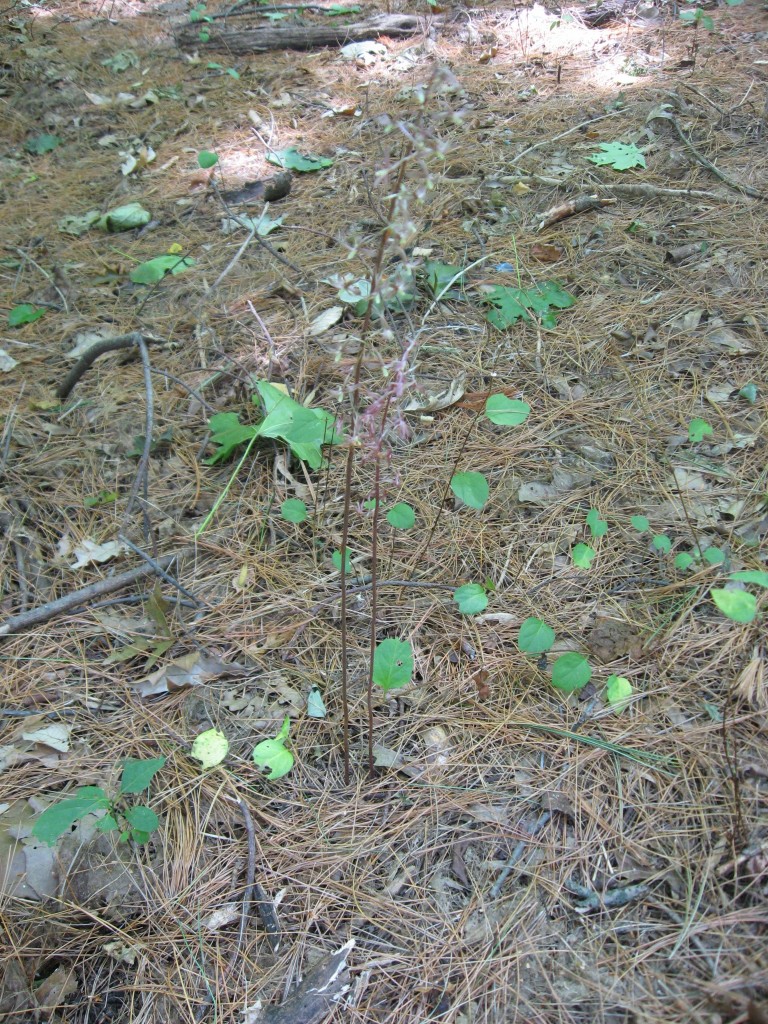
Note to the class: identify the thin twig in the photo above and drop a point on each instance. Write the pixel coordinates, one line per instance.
(141, 480)
(158, 569)
(562, 135)
(517, 853)
(49, 278)
(68, 603)
(746, 189)
(254, 236)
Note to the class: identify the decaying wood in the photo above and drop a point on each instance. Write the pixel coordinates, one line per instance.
(296, 37)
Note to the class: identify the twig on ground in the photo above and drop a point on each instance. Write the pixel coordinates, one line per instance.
(265, 905)
(48, 277)
(158, 569)
(581, 204)
(68, 603)
(190, 390)
(642, 189)
(253, 236)
(235, 259)
(562, 135)
(517, 853)
(746, 189)
(141, 480)
(99, 349)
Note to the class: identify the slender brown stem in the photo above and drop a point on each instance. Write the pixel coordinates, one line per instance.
(343, 609)
(374, 593)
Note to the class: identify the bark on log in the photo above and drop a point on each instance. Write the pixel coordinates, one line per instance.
(295, 37)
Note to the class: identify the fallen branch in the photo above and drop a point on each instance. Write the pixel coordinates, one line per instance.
(581, 204)
(100, 348)
(297, 37)
(746, 189)
(68, 603)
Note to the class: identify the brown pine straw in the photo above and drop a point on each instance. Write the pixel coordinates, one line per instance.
(480, 749)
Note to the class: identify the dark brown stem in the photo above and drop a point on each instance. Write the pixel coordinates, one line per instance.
(86, 361)
(374, 593)
(343, 609)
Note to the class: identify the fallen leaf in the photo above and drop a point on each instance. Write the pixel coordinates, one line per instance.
(55, 736)
(546, 253)
(325, 320)
(89, 551)
(222, 916)
(7, 363)
(431, 396)
(189, 670)
(121, 951)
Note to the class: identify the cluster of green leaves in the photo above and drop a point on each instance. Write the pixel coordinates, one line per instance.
(133, 821)
(272, 757)
(472, 490)
(511, 304)
(698, 17)
(304, 430)
(505, 305)
(570, 671)
(734, 602)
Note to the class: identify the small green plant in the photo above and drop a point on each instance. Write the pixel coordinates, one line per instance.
(292, 160)
(304, 430)
(155, 270)
(41, 144)
(272, 756)
(511, 304)
(401, 516)
(698, 429)
(206, 159)
(214, 66)
(392, 664)
(618, 692)
(571, 672)
(698, 17)
(739, 605)
(470, 488)
(582, 555)
(293, 510)
(535, 636)
(133, 821)
(24, 314)
(597, 527)
(472, 598)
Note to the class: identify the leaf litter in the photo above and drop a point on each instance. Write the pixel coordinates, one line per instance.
(613, 346)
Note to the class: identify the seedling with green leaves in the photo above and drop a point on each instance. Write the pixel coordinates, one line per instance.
(509, 304)
(132, 821)
(305, 431)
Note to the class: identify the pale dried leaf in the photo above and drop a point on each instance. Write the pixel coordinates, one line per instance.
(189, 670)
(222, 916)
(55, 736)
(325, 320)
(7, 363)
(88, 552)
(431, 396)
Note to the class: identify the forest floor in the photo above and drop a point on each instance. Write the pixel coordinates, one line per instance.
(540, 840)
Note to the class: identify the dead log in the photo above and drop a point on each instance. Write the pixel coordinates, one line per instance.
(259, 39)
